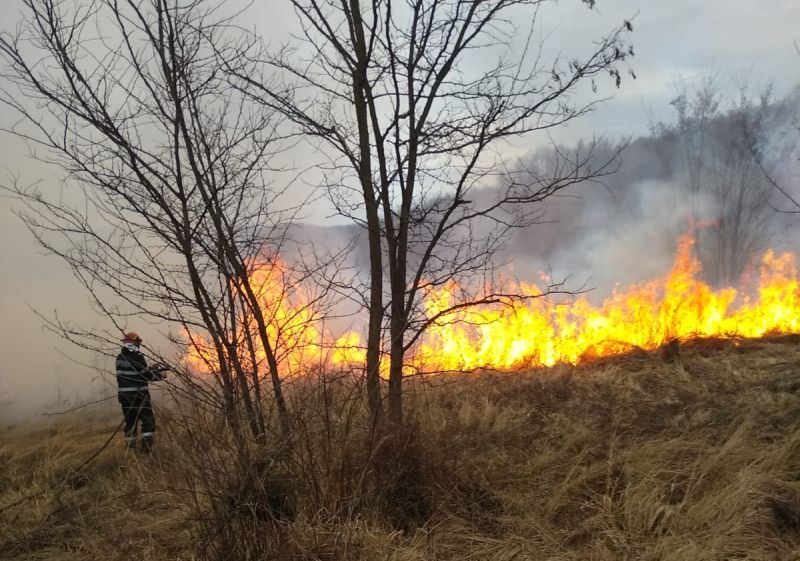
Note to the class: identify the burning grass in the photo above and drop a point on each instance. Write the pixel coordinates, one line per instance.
(529, 331)
(634, 457)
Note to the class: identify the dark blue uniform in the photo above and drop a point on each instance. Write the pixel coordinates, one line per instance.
(133, 375)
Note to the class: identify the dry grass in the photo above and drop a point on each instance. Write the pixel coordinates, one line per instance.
(695, 458)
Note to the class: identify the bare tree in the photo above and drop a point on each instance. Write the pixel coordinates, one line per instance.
(776, 163)
(415, 126)
(730, 195)
(169, 203)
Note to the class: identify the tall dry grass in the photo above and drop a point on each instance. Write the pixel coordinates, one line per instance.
(693, 458)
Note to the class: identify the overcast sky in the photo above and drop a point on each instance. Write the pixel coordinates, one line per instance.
(743, 43)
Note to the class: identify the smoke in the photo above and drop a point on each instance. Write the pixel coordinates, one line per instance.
(622, 242)
(779, 151)
(701, 176)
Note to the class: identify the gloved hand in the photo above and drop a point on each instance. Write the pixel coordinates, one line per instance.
(161, 370)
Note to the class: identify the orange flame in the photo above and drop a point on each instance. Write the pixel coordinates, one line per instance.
(293, 326)
(536, 331)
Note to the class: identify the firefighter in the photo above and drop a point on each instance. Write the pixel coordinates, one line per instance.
(133, 375)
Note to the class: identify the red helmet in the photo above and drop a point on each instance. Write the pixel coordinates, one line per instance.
(131, 337)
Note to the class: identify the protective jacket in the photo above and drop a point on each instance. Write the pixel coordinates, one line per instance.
(133, 374)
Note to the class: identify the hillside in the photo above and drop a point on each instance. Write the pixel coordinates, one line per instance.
(689, 453)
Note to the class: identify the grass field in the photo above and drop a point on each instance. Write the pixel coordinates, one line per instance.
(680, 454)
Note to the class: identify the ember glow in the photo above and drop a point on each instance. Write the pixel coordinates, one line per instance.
(538, 331)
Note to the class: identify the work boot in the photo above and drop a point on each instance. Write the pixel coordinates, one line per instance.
(147, 442)
(130, 442)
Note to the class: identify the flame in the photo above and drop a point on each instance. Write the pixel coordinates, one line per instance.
(293, 326)
(535, 330)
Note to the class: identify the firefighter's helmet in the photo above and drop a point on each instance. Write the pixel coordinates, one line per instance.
(131, 337)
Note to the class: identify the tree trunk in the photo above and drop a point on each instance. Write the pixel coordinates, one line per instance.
(396, 369)
(373, 362)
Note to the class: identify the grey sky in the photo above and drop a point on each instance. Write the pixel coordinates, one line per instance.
(744, 43)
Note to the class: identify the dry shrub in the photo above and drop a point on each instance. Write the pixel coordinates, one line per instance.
(403, 479)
